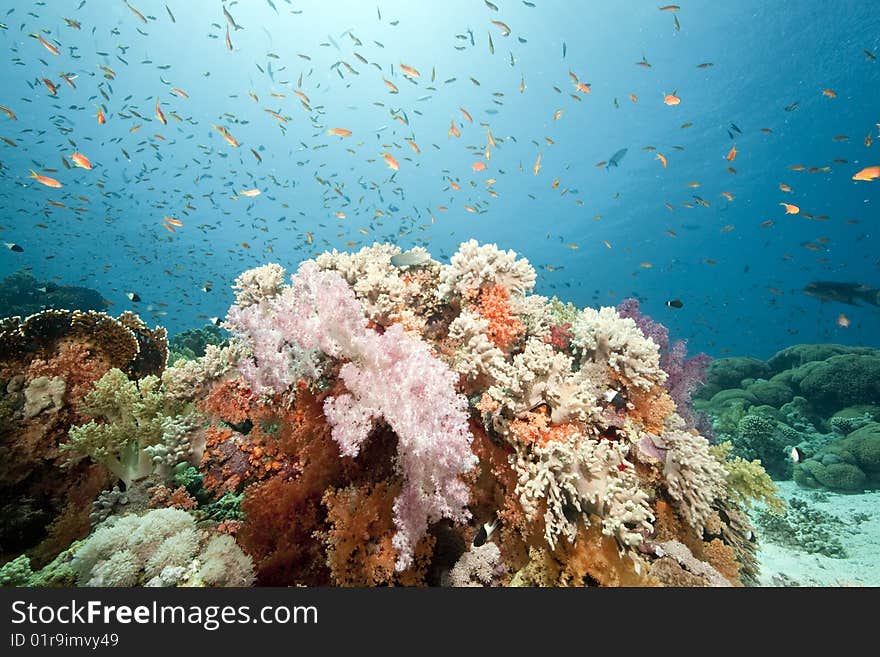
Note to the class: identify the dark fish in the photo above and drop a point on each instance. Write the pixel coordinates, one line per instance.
(675, 303)
(848, 293)
(485, 531)
(616, 158)
(792, 107)
(13, 247)
(733, 125)
(133, 297)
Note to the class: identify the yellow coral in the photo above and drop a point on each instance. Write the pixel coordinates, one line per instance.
(747, 481)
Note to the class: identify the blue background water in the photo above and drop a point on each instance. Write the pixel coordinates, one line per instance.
(766, 55)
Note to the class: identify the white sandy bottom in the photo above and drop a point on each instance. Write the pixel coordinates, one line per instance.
(784, 566)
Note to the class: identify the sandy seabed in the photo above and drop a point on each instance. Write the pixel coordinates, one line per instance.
(786, 566)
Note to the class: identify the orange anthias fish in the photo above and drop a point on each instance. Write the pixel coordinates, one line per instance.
(8, 112)
(453, 130)
(868, 173)
(537, 166)
(53, 89)
(339, 132)
(45, 180)
(160, 115)
(250, 193)
(466, 114)
(478, 166)
(232, 141)
(409, 71)
(671, 99)
(81, 161)
(829, 93)
(413, 145)
(173, 221)
(391, 86)
(391, 161)
(48, 46)
(731, 154)
(662, 159)
(790, 209)
(843, 321)
(101, 118)
(785, 188)
(583, 87)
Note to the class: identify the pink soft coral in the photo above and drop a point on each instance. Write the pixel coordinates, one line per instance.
(390, 376)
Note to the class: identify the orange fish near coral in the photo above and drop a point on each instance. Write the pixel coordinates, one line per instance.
(100, 116)
(868, 173)
(45, 180)
(453, 130)
(339, 132)
(662, 159)
(731, 154)
(478, 166)
(392, 163)
(81, 161)
(250, 193)
(537, 166)
(790, 209)
(829, 93)
(173, 221)
(671, 99)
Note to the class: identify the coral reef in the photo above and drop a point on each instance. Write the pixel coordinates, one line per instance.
(819, 400)
(22, 294)
(380, 418)
(49, 363)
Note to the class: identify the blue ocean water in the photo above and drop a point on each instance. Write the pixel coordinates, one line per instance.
(595, 234)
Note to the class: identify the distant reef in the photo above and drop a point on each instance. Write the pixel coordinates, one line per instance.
(23, 295)
(811, 412)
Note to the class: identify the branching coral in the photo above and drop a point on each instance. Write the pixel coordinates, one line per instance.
(388, 292)
(603, 336)
(695, 479)
(475, 266)
(582, 476)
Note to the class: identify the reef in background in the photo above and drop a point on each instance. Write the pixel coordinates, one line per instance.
(377, 418)
(22, 294)
(810, 412)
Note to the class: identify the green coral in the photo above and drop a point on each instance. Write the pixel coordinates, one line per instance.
(841, 381)
(771, 393)
(800, 354)
(16, 572)
(140, 428)
(562, 313)
(760, 437)
(747, 481)
(849, 464)
(191, 344)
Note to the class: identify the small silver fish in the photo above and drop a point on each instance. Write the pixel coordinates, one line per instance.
(410, 259)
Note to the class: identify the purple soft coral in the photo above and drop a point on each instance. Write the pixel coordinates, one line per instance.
(684, 375)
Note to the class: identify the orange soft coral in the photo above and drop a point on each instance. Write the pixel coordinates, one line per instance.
(494, 306)
(229, 401)
(73, 362)
(536, 428)
(651, 408)
(359, 549)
